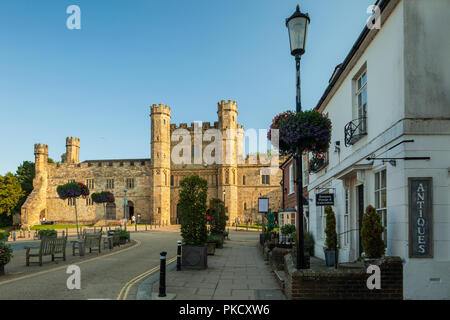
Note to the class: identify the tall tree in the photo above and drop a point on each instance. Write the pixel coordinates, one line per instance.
(25, 173)
(10, 194)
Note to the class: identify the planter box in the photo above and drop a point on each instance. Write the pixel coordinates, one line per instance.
(122, 241)
(2, 269)
(220, 237)
(194, 257)
(330, 257)
(211, 248)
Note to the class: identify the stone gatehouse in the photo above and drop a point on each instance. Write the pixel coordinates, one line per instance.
(152, 184)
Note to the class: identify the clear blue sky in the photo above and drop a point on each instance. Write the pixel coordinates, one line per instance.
(97, 83)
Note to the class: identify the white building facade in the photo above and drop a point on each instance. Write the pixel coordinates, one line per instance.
(389, 101)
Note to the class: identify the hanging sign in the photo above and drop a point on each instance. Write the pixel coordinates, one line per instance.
(420, 217)
(325, 199)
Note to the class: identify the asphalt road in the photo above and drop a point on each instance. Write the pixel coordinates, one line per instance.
(101, 278)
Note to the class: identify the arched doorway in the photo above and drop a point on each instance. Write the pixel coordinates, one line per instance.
(130, 209)
(111, 211)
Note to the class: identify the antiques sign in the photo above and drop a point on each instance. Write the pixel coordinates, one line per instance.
(420, 217)
(325, 199)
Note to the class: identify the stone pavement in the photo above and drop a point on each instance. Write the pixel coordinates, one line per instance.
(236, 272)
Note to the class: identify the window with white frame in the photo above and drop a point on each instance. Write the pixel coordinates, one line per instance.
(291, 178)
(281, 219)
(380, 199)
(361, 100)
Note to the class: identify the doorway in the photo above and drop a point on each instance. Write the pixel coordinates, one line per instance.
(130, 209)
(360, 196)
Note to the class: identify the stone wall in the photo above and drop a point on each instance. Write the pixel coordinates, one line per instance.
(343, 284)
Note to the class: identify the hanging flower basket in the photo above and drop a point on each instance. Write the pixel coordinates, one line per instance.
(302, 131)
(5, 256)
(72, 190)
(103, 197)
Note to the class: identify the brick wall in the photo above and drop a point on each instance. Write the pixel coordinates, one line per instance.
(343, 283)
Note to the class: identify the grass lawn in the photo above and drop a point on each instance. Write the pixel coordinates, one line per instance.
(250, 226)
(59, 226)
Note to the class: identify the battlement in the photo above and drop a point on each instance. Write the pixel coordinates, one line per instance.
(40, 149)
(160, 108)
(73, 141)
(229, 106)
(204, 126)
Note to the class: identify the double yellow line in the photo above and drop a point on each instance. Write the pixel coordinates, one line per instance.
(123, 294)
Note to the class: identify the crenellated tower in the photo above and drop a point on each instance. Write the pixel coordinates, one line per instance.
(160, 155)
(35, 206)
(72, 154)
(227, 115)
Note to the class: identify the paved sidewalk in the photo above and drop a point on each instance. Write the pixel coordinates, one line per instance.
(236, 272)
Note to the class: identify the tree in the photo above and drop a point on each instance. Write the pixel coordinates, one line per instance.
(25, 173)
(193, 195)
(218, 218)
(10, 194)
(330, 229)
(371, 234)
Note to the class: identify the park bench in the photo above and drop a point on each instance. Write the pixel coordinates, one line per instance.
(91, 240)
(47, 247)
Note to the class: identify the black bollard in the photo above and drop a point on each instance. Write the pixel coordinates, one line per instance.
(179, 256)
(162, 275)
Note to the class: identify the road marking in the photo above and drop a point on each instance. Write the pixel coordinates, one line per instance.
(138, 243)
(123, 294)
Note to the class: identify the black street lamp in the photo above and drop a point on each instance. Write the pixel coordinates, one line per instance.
(297, 26)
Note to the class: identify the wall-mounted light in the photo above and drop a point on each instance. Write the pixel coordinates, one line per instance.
(337, 146)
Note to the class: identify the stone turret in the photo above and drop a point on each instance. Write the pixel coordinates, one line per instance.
(227, 115)
(72, 154)
(36, 204)
(160, 155)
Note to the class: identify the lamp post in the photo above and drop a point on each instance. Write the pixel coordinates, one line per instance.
(297, 26)
(125, 208)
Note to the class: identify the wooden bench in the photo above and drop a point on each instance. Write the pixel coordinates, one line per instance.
(47, 247)
(91, 240)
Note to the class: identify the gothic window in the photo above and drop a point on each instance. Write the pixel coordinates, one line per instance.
(109, 183)
(90, 183)
(226, 177)
(265, 179)
(243, 180)
(130, 183)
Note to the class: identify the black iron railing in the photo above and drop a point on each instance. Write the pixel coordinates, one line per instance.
(355, 130)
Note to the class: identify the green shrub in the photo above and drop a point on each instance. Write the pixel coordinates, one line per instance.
(288, 229)
(193, 195)
(49, 233)
(4, 235)
(219, 243)
(308, 242)
(330, 230)
(5, 253)
(371, 234)
(217, 218)
(124, 235)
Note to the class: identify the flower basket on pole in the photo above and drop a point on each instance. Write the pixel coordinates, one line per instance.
(73, 190)
(103, 197)
(302, 131)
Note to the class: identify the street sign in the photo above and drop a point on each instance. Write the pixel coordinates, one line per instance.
(420, 217)
(263, 205)
(325, 199)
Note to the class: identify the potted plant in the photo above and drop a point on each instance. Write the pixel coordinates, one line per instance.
(124, 236)
(4, 236)
(331, 238)
(192, 204)
(5, 256)
(73, 190)
(371, 235)
(103, 197)
(211, 243)
(217, 220)
(301, 131)
(50, 233)
(287, 230)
